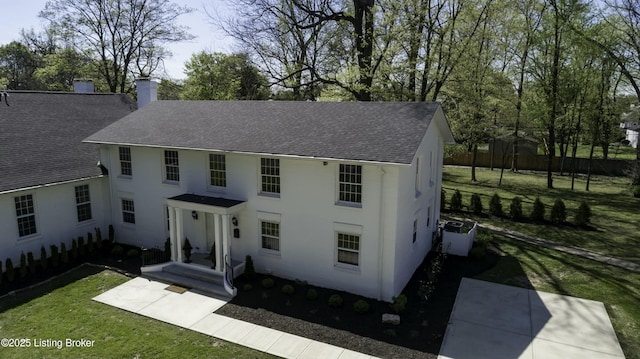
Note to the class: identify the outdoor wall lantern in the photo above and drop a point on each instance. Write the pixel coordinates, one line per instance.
(194, 215)
(236, 230)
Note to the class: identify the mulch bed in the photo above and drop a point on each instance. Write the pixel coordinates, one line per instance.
(419, 334)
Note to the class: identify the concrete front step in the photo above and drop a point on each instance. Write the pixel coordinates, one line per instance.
(193, 273)
(191, 279)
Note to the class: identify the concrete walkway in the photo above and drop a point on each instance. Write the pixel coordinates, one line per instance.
(581, 252)
(491, 321)
(197, 312)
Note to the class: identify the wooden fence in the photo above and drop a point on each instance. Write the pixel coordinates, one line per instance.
(539, 163)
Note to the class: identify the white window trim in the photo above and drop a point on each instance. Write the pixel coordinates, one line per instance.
(210, 187)
(32, 236)
(279, 176)
(83, 222)
(122, 211)
(343, 203)
(165, 165)
(349, 229)
(271, 218)
(121, 175)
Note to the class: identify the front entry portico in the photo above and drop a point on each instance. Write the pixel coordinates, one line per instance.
(217, 214)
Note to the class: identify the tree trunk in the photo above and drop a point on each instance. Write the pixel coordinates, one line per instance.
(593, 145)
(473, 163)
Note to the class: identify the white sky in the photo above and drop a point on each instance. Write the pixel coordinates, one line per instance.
(23, 14)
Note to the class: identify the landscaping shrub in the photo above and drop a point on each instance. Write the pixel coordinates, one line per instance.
(132, 252)
(23, 265)
(74, 249)
(312, 294)
(90, 248)
(44, 263)
(64, 255)
(31, 263)
(98, 238)
(558, 212)
(288, 289)
(399, 303)
(443, 197)
(361, 306)
(11, 274)
(55, 256)
(495, 206)
(249, 269)
(117, 250)
(476, 204)
(112, 234)
(247, 287)
(583, 214)
(268, 283)
(537, 213)
(515, 209)
(81, 248)
(335, 301)
(456, 201)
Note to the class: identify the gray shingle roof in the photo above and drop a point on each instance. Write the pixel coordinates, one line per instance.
(362, 131)
(41, 135)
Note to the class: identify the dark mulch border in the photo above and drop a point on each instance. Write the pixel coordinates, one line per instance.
(419, 334)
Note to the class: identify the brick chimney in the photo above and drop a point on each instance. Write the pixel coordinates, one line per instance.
(83, 86)
(147, 91)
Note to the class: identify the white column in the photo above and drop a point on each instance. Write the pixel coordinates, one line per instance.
(172, 233)
(225, 239)
(218, 240)
(179, 233)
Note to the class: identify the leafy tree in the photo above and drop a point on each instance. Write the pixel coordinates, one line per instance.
(126, 36)
(223, 77)
(18, 66)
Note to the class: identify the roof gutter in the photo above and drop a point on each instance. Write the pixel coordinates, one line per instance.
(253, 153)
(49, 185)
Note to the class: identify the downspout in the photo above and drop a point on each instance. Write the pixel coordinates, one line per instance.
(381, 234)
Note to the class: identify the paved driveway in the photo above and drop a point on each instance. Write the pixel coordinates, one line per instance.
(495, 321)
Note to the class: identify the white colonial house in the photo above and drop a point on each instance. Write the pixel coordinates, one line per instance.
(344, 195)
(51, 188)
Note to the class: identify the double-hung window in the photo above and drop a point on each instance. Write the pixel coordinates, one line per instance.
(218, 170)
(128, 211)
(171, 166)
(125, 161)
(83, 203)
(350, 184)
(25, 213)
(270, 234)
(348, 249)
(270, 175)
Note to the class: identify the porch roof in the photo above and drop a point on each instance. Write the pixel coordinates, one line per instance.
(203, 203)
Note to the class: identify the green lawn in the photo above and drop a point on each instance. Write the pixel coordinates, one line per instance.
(69, 312)
(522, 264)
(616, 214)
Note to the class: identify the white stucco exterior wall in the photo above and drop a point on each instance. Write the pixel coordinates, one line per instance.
(56, 218)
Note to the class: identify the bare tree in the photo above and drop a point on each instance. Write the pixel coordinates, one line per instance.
(127, 36)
